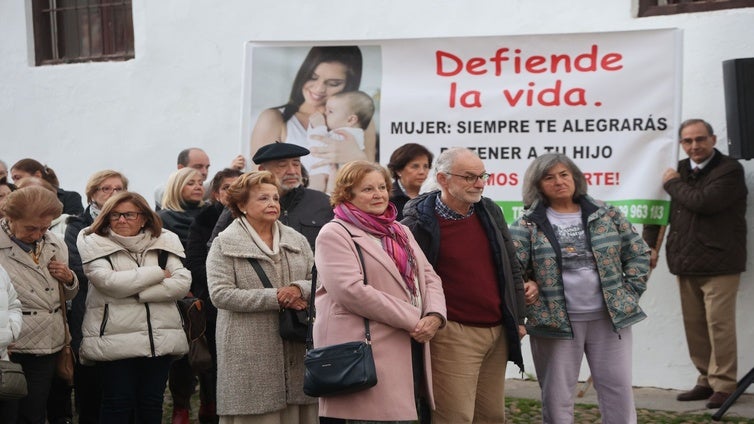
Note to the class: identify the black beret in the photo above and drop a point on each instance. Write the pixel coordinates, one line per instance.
(278, 150)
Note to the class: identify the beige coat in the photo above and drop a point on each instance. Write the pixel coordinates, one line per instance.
(257, 371)
(130, 307)
(42, 332)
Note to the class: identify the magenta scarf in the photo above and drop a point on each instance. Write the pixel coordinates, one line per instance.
(391, 234)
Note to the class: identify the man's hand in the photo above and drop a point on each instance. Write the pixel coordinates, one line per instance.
(669, 174)
(238, 163)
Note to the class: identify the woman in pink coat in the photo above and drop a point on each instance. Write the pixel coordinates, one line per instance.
(403, 299)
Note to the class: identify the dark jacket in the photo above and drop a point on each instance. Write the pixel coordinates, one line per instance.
(707, 233)
(179, 222)
(302, 209)
(420, 217)
(399, 199)
(196, 255)
(78, 304)
(71, 202)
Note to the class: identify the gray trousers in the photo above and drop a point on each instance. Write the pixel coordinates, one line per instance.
(558, 362)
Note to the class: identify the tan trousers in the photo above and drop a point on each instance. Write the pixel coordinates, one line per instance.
(708, 304)
(468, 374)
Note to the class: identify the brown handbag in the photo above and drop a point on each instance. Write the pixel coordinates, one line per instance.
(64, 365)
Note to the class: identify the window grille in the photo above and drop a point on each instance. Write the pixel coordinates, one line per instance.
(673, 7)
(68, 31)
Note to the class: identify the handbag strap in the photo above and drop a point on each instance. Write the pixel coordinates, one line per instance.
(67, 340)
(162, 258)
(312, 310)
(260, 272)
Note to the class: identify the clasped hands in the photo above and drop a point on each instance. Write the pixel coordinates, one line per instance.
(426, 328)
(291, 297)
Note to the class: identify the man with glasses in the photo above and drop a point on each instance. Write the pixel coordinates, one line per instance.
(706, 250)
(465, 237)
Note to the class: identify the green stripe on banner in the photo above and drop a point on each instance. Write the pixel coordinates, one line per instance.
(638, 211)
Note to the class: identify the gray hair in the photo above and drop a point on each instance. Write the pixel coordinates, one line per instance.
(694, 121)
(443, 164)
(447, 158)
(537, 170)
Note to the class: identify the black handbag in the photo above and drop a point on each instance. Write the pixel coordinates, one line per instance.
(12, 381)
(194, 322)
(195, 327)
(342, 368)
(293, 323)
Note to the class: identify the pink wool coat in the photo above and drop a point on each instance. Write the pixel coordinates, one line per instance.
(342, 301)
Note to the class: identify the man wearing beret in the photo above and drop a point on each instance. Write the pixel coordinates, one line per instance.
(302, 209)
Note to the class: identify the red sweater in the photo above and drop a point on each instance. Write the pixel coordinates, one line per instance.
(469, 278)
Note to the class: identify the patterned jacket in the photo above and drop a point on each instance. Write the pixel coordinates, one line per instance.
(621, 256)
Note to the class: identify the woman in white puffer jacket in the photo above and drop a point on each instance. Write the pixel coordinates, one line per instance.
(132, 326)
(10, 314)
(10, 320)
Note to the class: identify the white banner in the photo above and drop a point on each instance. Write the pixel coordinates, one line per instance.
(610, 101)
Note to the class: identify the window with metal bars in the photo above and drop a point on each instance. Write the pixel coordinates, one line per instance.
(68, 31)
(673, 7)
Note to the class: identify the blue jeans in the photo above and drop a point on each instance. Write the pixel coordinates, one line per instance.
(134, 387)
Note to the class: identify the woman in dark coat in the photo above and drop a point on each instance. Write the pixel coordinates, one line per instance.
(196, 257)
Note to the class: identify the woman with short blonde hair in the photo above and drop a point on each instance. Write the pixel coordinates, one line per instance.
(182, 201)
(173, 198)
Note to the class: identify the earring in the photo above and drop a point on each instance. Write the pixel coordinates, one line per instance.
(243, 212)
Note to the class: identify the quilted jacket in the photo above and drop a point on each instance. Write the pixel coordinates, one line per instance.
(42, 332)
(621, 256)
(707, 233)
(131, 310)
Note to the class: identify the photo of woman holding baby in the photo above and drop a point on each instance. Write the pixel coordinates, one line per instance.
(309, 117)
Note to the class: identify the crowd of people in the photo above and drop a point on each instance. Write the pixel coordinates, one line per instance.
(444, 320)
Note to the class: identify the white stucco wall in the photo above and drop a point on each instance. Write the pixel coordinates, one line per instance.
(183, 89)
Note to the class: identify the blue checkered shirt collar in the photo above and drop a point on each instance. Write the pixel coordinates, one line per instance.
(444, 211)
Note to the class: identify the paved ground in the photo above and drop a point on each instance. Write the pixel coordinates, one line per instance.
(645, 397)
